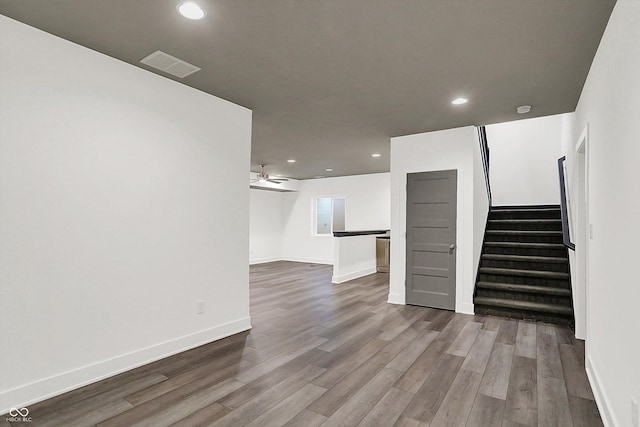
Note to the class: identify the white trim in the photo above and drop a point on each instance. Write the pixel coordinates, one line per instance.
(584, 137)
(602, 401)
(353, 275)
(46, 388)
(309, 260)
(264, 260)
(467, 308)
(396, 299)
(582, 253)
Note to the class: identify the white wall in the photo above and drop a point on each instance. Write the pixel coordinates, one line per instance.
(367, 208)
(480, 206)
(609, 105)
(433, 151)
(123, 202)
(265, 226)
(354, 256)
(524, 156)
(576, 212)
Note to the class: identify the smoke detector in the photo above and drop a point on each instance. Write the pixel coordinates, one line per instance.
(523, 109)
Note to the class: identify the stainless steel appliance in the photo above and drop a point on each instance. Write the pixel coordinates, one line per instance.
(382, 254)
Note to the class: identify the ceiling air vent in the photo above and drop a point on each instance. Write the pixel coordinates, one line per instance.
(169, 64)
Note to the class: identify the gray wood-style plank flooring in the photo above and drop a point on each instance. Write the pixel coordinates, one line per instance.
(339, 355)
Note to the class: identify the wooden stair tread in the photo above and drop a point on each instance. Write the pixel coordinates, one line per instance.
(524, 305)
(527, 273)
(530, 289)
(524, 258)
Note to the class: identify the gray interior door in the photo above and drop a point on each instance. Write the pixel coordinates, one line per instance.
(431, 238)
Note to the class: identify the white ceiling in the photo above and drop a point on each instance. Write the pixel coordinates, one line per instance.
(330, 81)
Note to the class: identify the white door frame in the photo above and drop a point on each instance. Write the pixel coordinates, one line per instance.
(581, 173)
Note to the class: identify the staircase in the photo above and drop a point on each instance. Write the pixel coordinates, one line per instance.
(524, 268)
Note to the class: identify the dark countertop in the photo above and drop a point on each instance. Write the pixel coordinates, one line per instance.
(358, 233)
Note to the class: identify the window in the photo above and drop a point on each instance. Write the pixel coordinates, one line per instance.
(329, 215)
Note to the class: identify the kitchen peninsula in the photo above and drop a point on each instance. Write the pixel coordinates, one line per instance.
(354, 254)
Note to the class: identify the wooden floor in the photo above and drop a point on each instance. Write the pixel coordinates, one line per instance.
(322, 354)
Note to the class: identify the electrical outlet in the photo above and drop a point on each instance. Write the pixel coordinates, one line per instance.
(634, 412)
(200, 307)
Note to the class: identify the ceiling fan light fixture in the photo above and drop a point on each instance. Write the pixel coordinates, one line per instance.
(264, 178)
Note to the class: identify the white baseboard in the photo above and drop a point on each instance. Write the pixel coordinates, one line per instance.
(401, 299)
(353, 275)
(309, 260)
(264, 260)
(601, 398)
(396, 299)
(467, 308)
(46, 388)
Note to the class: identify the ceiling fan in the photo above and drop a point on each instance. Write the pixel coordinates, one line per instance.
(264, 177)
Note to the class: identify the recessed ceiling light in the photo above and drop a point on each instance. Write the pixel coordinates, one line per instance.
(459, 101)
(523, 109)
(329, 170)
(191, 10)
(376, 155)
(291, 161)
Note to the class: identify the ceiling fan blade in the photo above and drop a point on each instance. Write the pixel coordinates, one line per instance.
(277, 180)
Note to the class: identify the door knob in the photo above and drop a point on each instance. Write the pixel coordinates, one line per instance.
(451, 248)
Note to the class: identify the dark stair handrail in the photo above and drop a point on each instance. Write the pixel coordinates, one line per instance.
(566, 238)
(484, 151)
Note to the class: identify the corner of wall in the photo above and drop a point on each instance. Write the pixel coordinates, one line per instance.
(124, 236)
(396, 299)
(467, 308)
(602, 400)
(414, 154)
